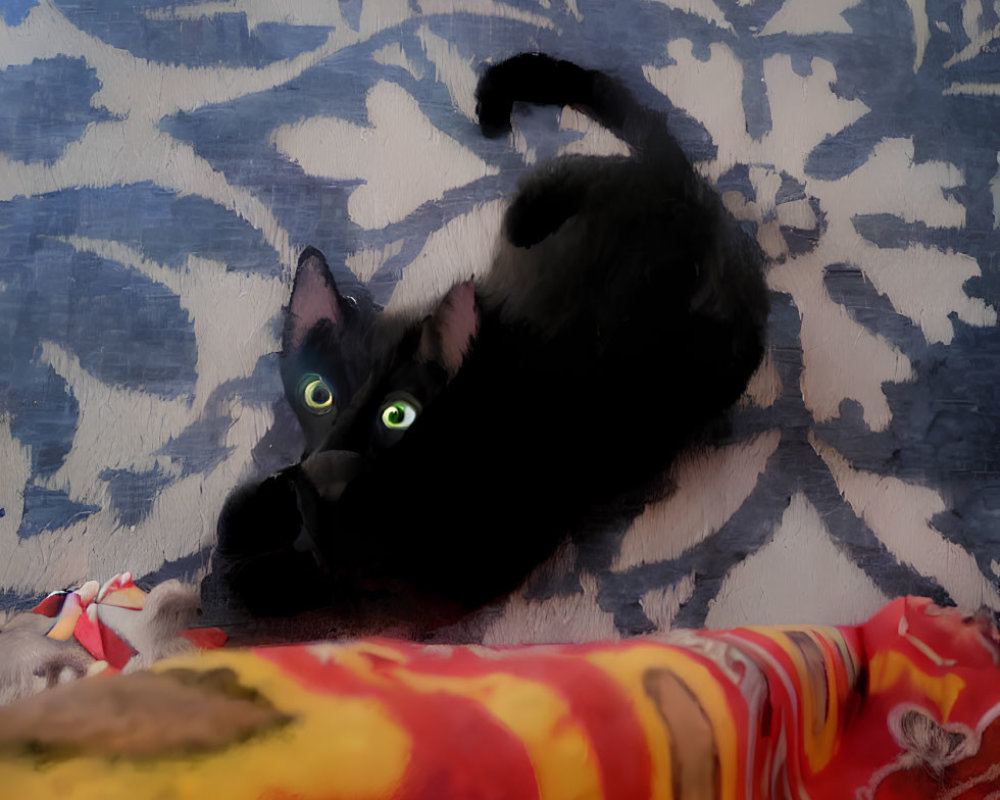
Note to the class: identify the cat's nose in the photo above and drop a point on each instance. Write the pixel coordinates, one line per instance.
(329, 471)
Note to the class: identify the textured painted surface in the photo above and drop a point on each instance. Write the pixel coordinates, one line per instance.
(160, 167)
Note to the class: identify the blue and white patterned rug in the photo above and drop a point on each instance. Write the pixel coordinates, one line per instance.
(161, 165)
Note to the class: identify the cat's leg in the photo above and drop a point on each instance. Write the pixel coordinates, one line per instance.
(552, 195)
(260, 557)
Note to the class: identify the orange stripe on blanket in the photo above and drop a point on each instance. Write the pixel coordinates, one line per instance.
(593, 698)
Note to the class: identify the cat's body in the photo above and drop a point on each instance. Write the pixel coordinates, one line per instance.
(624, 313)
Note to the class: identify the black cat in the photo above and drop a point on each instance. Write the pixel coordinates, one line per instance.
(447, 456)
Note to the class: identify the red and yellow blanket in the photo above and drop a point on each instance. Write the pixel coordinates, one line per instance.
(903, 706)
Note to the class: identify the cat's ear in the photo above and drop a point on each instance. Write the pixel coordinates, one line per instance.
(448, 333)
(314, 299)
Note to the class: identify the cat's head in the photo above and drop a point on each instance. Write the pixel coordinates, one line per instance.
(359, 387)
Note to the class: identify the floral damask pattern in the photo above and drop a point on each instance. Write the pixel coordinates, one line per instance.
(161, 165)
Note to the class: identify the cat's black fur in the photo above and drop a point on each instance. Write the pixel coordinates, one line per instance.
(625, 312)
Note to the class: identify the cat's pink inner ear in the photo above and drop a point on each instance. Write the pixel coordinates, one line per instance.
(456, 322)
(314, 298)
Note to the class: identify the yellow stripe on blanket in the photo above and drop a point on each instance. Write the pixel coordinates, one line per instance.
(329, 740)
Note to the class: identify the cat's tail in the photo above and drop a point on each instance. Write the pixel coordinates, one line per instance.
(542, 80)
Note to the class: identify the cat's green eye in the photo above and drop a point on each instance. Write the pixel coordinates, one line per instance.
(398, 415)
(316, 394)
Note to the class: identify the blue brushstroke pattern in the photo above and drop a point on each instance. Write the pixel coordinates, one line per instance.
(132, 493)
(201, 446)
(209, 41)
(44, 106)
(164, 226)
(125, 328)
(14, 12)
(48, 509)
